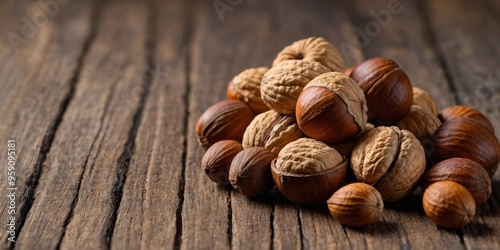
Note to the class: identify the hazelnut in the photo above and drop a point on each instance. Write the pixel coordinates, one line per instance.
(465, 172)
(460, 111)
(390, 159)
(246, 88)
(313, 49)
(356, 204)
(420, 122)
(468, 138)
(331, 108)
(387, 89)
(308, 171)
(282, 84)
(250, 172)
(217, 160)
(349, 70)
(225, 120)
(449, 204)
(272, 131)
(424, 99)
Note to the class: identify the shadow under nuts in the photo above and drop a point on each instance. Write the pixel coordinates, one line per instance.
(331, 108)
(449, 204)
(356, 204)
(308, 171)
(390, 159)
(250, 171)
(217, 160)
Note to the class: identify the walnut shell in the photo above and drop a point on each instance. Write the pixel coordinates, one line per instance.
(282, 84)
(225, 120)
(390, 159)
(217, 160)
(246, 87)
(331, 108)
(307, 171)
(272, 131)
(449, 204)
(425, 100)
(467, 137)
(465, 172)
(420, 122)
(356, 204)
(464, 111)
(313, 49)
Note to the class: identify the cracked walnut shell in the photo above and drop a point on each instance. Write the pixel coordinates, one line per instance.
(272, 131)
(390, 159)
(246, 87)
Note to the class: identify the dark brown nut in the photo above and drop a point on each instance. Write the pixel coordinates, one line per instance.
(464, 111)
(272, 131)
(391, 160)
(282, 84)
(387, 89)
(250, 171)
(246, 88)
(331, 108)
(217, 160)
(225, 120)
(468, 138)
(449, 204)
(313, 49)
(465, 172)
(356, 205)
(308, 172)
(420, 122)
(423, 99)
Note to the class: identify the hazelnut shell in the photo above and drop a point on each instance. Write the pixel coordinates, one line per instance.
(464, 111)
(217, 160)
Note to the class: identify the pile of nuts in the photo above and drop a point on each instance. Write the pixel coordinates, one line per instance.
(305, 123)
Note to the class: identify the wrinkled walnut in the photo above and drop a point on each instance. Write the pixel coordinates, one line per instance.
(246, 87)
(420, 122)
(425, 100)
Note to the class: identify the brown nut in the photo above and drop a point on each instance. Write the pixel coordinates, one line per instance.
(387, 89)
(282, 84)
(356, 205)
(246, 88)
(420, 122)
(425, 100)
(225, 120)
(464, 111)
(390, 159)
(449, 204)
(468, 138)
(308, 172)
(217, 160)
(250, 171)
(331, 108)
(313, 49)
(465, 172)
(272, 131)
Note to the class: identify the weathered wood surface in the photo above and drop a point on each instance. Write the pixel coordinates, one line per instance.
(103, 98)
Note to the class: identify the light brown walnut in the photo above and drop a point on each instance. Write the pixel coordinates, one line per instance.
(420, 122)
(423, 99)
(246, 87)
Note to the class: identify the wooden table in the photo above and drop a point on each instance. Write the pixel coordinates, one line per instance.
(101, 99)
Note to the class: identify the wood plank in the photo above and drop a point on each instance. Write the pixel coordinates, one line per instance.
(149, 207)
(79, 186)
(35, 94)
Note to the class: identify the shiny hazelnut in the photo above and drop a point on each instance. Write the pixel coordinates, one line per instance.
(449, 204)
(250, 171)
(467, 138)
(308, 171)
(356, 205)
(217, 160)
(390, 159)
(225, 120)
(460, 111)
(387, 89)
(331, 108)
(349, 70)
(465, 172)
(246, 87)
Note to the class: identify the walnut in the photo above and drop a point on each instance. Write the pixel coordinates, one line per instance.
(390, 159)
(272, 131)
(425, 100)
(246, 87)
(282, 84)
(313, 49)
(420, 122)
